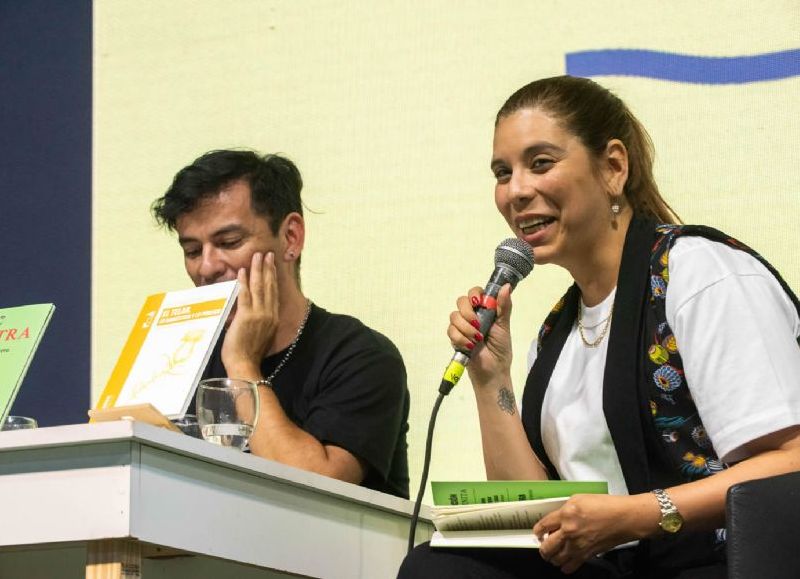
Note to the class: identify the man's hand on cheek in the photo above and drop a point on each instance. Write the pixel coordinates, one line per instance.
(252, 330)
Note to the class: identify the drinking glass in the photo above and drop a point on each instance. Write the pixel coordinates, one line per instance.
(227, 411)
(19, 423)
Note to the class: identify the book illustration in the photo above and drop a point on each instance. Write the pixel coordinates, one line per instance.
(174, 363)
(168, 348)
(21, 331)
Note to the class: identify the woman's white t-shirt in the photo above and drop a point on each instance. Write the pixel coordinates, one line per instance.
(736, 332)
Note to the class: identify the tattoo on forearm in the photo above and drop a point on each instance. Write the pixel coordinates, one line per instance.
(506, 401)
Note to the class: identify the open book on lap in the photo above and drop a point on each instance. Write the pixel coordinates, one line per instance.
(480, 514)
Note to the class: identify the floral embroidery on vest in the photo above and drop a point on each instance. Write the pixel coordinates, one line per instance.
(674, 413)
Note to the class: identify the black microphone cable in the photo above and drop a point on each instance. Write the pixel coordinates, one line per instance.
(426, 463)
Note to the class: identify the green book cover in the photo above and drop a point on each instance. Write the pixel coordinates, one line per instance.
(499, 491)
(21, 330)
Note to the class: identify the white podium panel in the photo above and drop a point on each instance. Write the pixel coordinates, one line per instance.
(192, 508)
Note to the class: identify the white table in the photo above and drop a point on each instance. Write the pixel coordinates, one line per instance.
(186, 507)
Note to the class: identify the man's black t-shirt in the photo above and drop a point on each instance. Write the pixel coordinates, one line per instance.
(345, 384)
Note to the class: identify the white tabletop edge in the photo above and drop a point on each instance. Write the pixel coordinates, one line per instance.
(148, 435)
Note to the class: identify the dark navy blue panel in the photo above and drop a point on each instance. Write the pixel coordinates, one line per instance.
(45, 193)
(685, 67)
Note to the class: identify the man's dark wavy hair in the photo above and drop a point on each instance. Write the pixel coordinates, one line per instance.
(275, 183)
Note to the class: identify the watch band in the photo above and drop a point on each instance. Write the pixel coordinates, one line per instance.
(664, 501)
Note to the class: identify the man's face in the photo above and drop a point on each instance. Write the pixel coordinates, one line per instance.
(221, 235)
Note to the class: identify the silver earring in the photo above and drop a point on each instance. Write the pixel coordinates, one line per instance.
(615, 208)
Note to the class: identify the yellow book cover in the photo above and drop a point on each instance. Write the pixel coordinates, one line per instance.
(168, 348)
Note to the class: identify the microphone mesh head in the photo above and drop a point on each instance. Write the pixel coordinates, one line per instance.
(516, 254)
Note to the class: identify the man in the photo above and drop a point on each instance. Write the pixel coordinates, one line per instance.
(332, 391)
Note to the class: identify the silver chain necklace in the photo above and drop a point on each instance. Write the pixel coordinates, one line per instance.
(291, 348)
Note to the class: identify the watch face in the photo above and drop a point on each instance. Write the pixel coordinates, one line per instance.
(671, 522)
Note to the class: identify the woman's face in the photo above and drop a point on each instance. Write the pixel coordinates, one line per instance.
(547, 187)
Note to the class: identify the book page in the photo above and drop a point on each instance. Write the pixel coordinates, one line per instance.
(507, 539)
(513, 515)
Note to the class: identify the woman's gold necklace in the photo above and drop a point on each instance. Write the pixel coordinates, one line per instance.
(603, 333)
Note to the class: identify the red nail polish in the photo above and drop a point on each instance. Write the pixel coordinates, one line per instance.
(470, 345)
(478, 337)
(475, 324)
(475, 301)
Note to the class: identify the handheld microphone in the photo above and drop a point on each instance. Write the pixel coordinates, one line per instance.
(513, 260)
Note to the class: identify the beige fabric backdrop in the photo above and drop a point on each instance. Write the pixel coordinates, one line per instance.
(387, 108)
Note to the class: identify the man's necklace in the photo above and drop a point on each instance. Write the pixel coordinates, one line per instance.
(603, 333)
(290, 349)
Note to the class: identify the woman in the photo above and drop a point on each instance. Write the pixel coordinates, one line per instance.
(668, 369)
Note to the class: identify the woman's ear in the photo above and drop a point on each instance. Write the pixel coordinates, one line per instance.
(615, 167)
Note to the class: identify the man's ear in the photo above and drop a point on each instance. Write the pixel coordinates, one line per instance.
(615, 167)
(292, 235)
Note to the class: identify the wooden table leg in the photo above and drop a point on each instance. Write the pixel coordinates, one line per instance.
(114, 559)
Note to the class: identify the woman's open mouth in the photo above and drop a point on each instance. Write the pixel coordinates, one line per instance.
(535, 225)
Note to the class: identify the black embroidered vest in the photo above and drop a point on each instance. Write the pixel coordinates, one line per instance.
(656, 430)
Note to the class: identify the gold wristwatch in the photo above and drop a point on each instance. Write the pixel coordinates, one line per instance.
(671, 520)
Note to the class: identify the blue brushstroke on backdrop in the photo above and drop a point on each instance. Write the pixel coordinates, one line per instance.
(684, 67)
